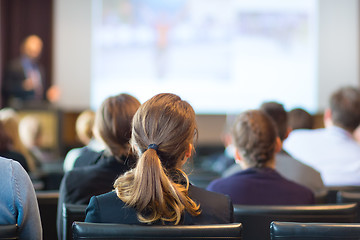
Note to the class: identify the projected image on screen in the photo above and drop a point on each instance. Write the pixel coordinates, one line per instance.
(223, 56)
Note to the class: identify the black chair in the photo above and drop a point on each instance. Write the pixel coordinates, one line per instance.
(256, 219)
(72, 213)
(314, 231)
(333, 190)
(349, 197)
(8, 232)
(47, 201)
(93, 231)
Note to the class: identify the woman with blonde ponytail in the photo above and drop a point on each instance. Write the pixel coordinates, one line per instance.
(157, 191)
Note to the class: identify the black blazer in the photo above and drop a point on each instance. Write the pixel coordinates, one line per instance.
(108, 208)
(80, 184)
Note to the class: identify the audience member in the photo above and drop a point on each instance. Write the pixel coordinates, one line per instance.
(256, 142)
(18, 202)
(157, 191)
(300, 119)
(113, 127)
(30, 131)
(86, 155)
(10, 120)
(286, 165)
(332, 150)
(219, 162)
(6, 149)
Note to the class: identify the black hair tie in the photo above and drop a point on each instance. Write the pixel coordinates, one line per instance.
(153, 146)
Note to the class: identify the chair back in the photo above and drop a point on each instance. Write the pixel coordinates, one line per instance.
(72, 213)
(349, 197)
(47, 201)
(95, 231)
(333, 190)
(314, 231)
(8, 232)
(256, 219)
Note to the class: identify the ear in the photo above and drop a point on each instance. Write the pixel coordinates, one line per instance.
(278, 145)
(238, 156)
(327, 117)
(288, 131)
(189, 151)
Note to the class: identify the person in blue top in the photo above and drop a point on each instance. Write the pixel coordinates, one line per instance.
(256, 141)
(18, 202)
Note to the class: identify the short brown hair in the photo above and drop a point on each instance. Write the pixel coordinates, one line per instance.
(345, 108)
(254, 135)
(113, 122)
(278, 114)
(300, 119)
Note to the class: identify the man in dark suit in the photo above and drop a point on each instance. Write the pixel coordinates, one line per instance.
(24, 78)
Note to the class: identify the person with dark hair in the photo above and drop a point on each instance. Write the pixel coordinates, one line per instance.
(300, 119)
(332, 150)
(256, 141)
(113, 128)
(157, 191)
(286, 165)
(6, 149)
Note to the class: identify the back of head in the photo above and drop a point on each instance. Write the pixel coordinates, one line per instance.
(84, 126)
(30, 131)
(278, 114)
(168, 122)
(113, 122)
(345, 108)
(164, 128)
(300, 119)
(254, 135)
(10, 120)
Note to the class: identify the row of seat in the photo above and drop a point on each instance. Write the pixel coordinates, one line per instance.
(255, 219)
(278, 231)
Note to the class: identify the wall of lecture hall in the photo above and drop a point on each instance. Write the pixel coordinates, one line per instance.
(338, 55)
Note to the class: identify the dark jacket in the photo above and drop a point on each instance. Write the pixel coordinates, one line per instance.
(80, 184)
(215, 209)
(262, 186)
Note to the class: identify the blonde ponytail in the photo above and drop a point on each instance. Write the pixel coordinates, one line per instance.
(163, 129)
(152, 193)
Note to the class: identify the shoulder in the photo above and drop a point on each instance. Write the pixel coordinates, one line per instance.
(297, 189)
(203, 195)
(108, 208)
(11, 168)
(225, 182)
(215, 207)
(285, 162)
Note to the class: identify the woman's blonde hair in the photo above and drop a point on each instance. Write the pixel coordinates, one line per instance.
(84, 126)
(254, 135)
(166, 124)
(113, 122)
(10, 120)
